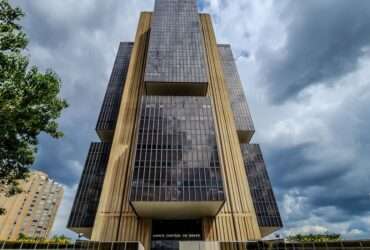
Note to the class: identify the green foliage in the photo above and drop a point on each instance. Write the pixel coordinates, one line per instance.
(59, 239)
(11, 36)
(29, 102)
(314, 237)
(22, 236)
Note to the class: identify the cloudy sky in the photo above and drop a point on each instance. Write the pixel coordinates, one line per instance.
(305, 67)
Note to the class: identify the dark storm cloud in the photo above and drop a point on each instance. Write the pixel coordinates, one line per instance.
(353, 203)
(52, 32)
(324, 180)
(331, 214)
(324, 41)
(299, 169)
(53, 155)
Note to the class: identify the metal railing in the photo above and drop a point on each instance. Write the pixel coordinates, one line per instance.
(194, 245)
(78, 245)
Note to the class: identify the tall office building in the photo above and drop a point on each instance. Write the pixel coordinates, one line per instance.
(31, 212)
(175, 162)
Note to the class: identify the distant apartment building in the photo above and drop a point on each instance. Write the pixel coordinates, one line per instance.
(33, 211)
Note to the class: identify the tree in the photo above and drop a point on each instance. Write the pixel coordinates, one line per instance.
(314, 237)
(29, 102)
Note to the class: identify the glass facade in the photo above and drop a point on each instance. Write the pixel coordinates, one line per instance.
(112, 99)
(239, 105)
(168, 165)
(90, 186)
(176, 154)
(263, 197)
(176, 51)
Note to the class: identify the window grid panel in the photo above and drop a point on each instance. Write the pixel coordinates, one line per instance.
(260, 186)
(90, 186)
(239, 105)
(112, 99)
(178, 158)
(176, 50)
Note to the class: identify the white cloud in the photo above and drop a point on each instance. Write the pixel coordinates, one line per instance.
(355, 232)
(74, 167)
(293, 203)
(307, 229)
(60, 223)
